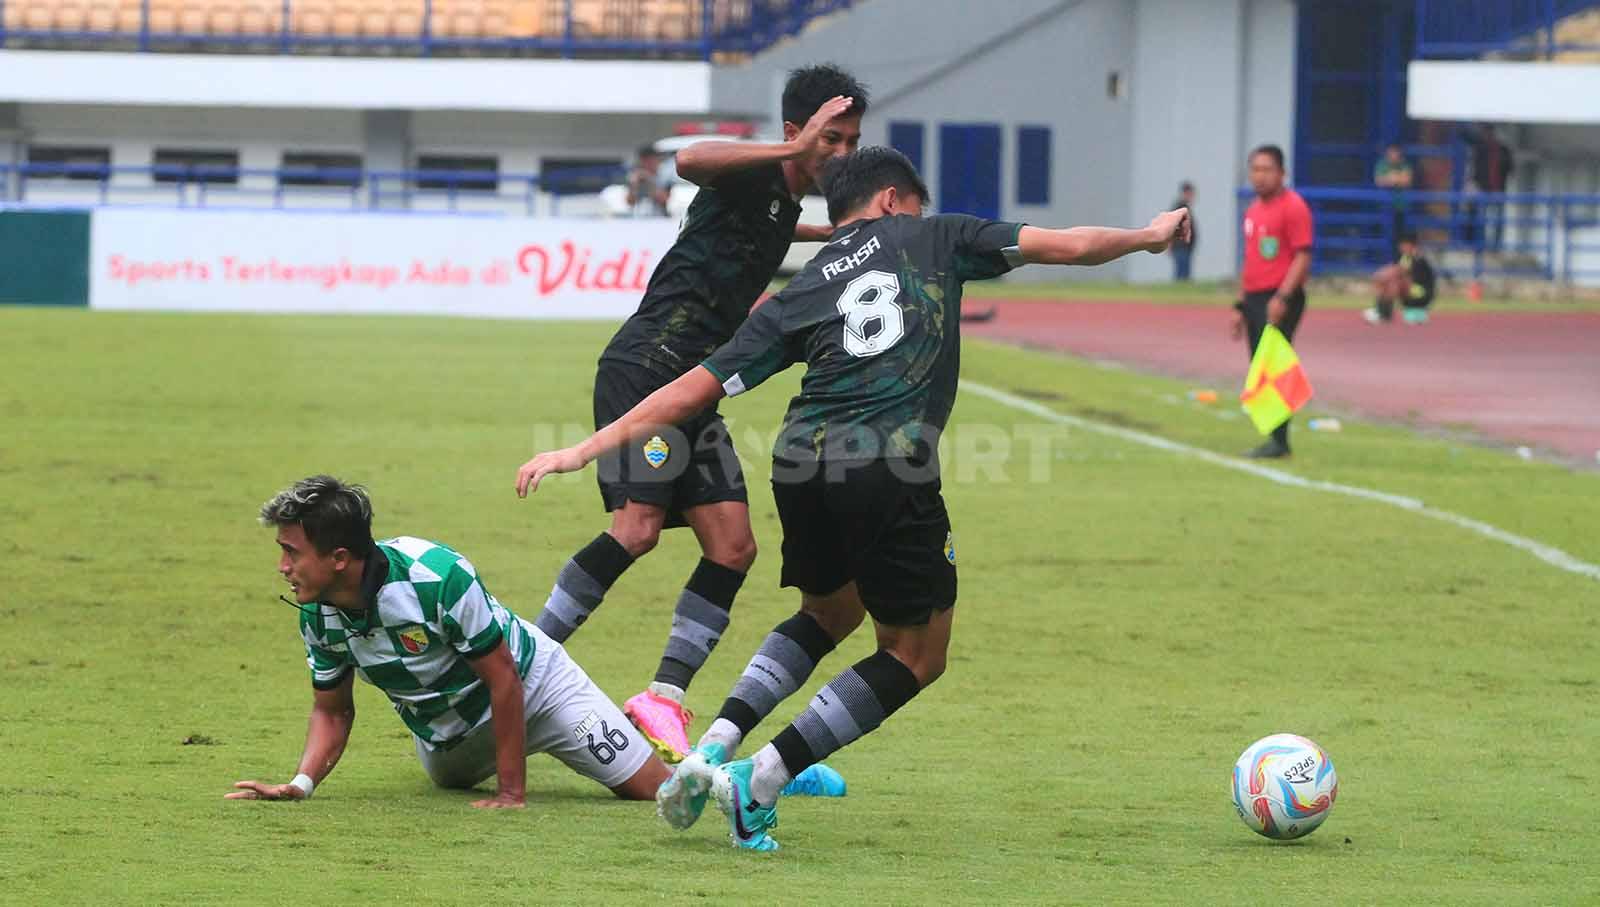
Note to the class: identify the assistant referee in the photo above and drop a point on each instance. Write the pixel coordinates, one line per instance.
(1277, 259)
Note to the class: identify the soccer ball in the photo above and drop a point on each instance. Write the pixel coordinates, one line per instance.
(1284, 786)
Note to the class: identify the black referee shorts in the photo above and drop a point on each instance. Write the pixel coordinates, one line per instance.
(1254, 308)
(876, 522)
(684, 466)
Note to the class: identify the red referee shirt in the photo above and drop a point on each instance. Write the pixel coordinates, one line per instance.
(1274, 230)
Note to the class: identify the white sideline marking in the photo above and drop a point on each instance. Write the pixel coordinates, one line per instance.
(1555, 557)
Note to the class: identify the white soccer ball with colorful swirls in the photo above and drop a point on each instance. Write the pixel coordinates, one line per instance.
(1284, 786)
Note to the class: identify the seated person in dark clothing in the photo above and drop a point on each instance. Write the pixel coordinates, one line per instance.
(1410, 281)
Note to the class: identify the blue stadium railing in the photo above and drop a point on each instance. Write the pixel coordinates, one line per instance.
(1520, 235)
(1524, 29)
(737, 27)
(462, 191)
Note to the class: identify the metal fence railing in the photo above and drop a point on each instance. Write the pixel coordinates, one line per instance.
(1524, 235)
(573, 190)
(674, 29)
(1518, 29)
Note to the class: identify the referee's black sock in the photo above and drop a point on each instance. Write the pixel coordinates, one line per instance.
(581, 585)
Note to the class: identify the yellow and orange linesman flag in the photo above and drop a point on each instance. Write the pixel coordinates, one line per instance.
(1276, 386)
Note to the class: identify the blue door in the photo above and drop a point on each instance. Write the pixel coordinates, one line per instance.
(969, 169)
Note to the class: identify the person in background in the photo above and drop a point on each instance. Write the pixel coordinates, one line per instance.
(1394, 173)
(1492, 165)
(1410, 280)
(1183, 248)
(648, 185)
(1277, 260)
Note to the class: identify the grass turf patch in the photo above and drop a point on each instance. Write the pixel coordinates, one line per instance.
(1129, 621)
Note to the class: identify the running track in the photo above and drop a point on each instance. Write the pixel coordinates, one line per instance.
(1529, 379)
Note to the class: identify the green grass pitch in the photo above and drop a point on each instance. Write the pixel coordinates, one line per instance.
(1130, 619)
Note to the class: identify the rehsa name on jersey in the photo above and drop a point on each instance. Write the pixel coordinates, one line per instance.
(852, 261)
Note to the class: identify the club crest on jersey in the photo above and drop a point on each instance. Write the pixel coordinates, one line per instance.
(1269, 247)
(414, 639)
(656, 452)
(772, 210)
(950, 547)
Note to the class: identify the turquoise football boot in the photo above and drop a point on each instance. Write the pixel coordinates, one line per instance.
(817, 781)
(748, 821)
(682, 797)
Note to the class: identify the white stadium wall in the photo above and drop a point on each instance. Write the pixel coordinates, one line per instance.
(359, 83)
(1132, 91)
(387, 140)
(255, 261)
(1211, 80)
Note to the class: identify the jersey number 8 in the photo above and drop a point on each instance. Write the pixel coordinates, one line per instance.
(873, 321)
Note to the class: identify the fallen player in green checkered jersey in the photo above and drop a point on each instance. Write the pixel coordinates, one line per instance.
(876, 318)
(479, 688)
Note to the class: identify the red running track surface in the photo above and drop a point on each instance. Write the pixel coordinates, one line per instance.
(1521, 378)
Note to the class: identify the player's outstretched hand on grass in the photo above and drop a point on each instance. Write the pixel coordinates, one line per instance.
(555, 461)
(835, 106)
(1169, 227)
(256, 790)
(500, 801)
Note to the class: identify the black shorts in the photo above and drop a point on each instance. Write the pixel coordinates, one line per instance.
(866, 521)
(683, 466)
(1254, 308)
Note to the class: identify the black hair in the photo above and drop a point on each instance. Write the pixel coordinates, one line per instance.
(333, 514)
(1186, 186)
(1272, 151)
(809, 87)
(852, 180)
(1409, 236)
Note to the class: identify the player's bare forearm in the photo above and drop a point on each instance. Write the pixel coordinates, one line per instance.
(689, 394)
(702, 162)
(499, 673)
(1082, 245)
(684, 397)
(1299, 268)
(333, 714)
(812, 232)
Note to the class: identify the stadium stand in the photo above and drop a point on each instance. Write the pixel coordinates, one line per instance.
(229, 25)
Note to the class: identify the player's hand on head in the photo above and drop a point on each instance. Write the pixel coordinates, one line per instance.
(256, 790)
(832, 108)
(501, 801)
(556, 461)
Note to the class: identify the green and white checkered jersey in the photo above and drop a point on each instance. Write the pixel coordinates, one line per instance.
(427, 614)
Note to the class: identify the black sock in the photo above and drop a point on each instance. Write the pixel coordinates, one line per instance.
(780, 667)
(581, 586)
(698, 622)
(851, 706)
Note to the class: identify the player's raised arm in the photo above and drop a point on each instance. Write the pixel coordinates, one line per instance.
(1098, 245)
(689, 394)
(333, 713)
(812, 232)
(703, 162)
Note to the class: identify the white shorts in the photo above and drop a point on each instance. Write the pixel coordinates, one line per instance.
(566, 715)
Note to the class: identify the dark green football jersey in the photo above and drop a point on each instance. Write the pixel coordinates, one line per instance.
(876, 318)
(733, 238)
